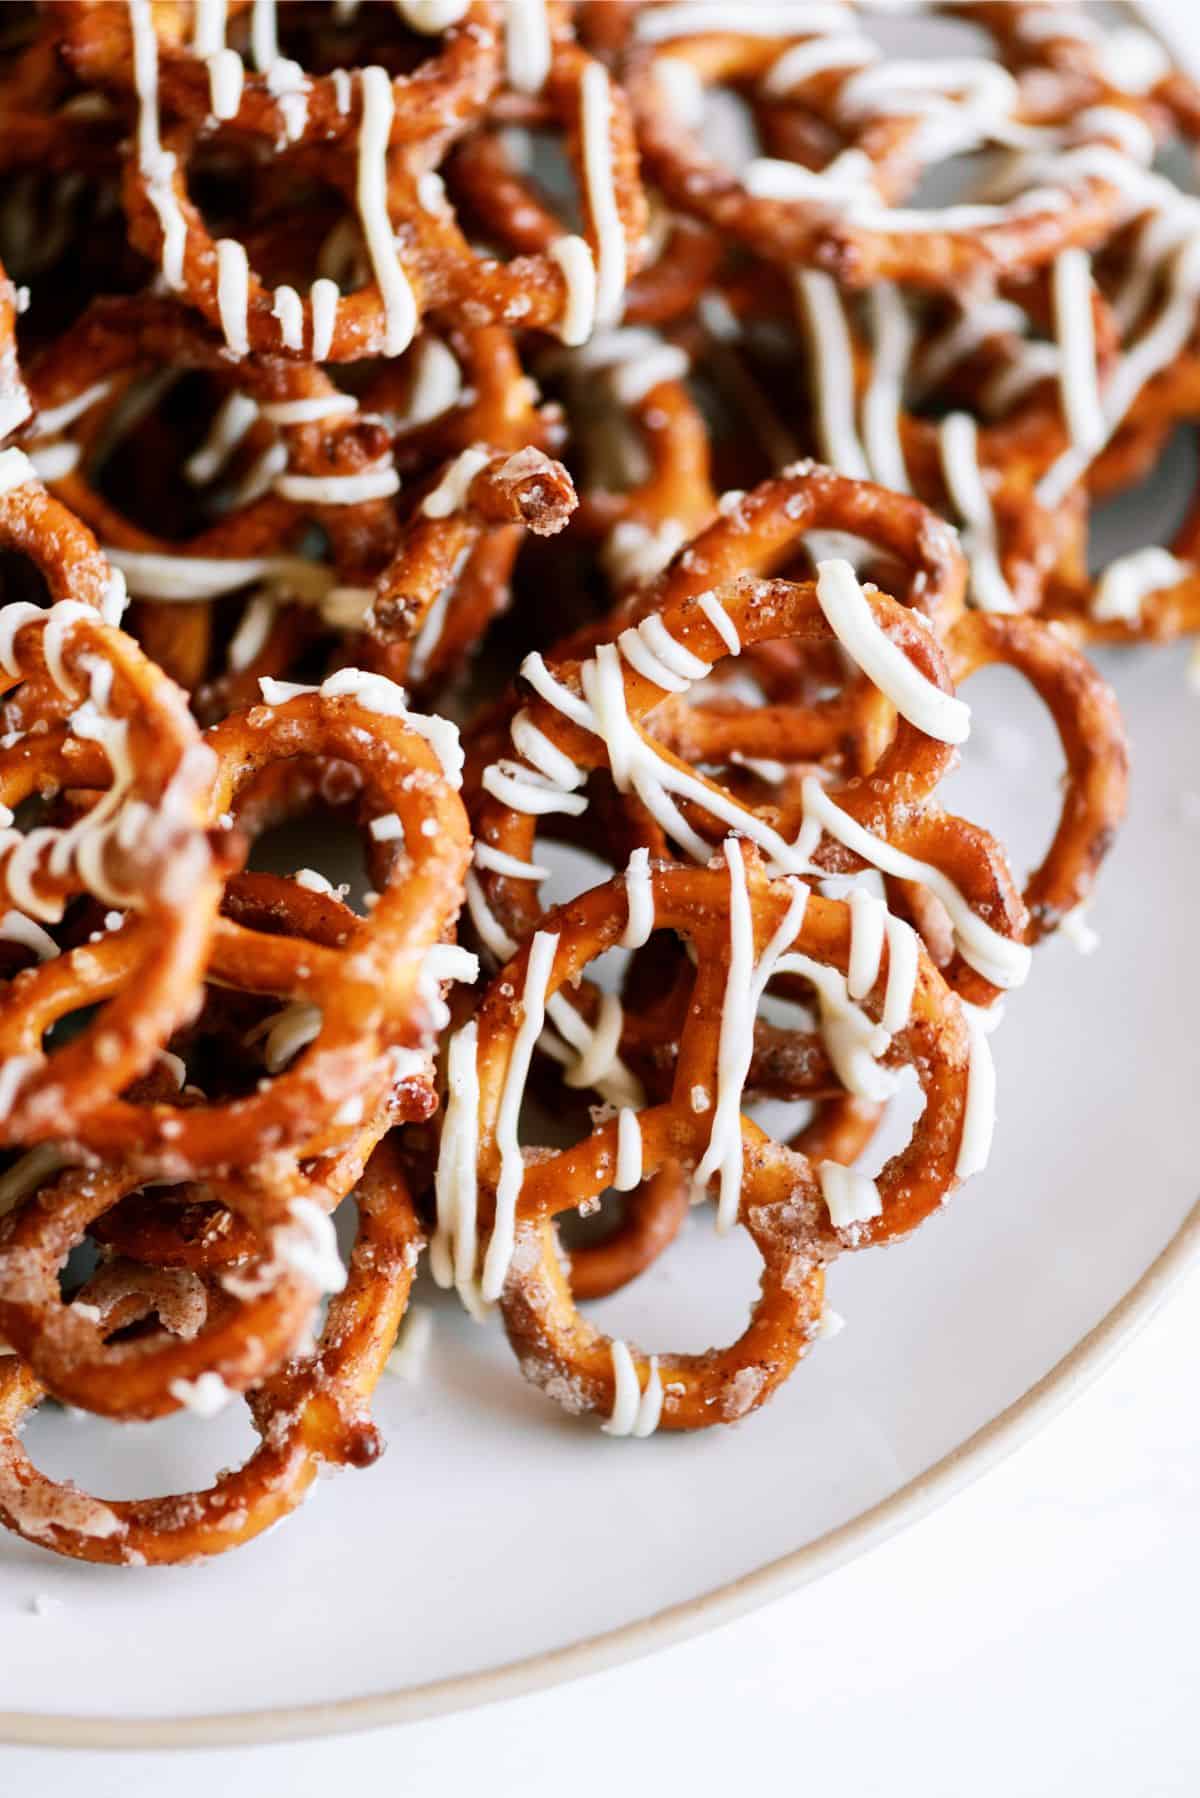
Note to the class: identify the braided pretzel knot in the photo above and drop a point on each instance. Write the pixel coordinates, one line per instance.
(743, 928)
(312, 1413)
(365, 997)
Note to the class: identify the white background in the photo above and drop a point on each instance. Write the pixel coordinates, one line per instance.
(1038, 1635)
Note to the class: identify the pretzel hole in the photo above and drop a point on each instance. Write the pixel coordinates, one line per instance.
(1009, 777)
(324, 840)
(180, 1453)
(1150, 512)
(699, 1292)
(22, 579)
(141, 461)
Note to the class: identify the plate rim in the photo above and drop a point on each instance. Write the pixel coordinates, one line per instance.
(992, 1443)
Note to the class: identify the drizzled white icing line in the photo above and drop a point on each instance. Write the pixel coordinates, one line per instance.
(453, 1249)
(892, 334)
(233, 293)
(226, 78)
(1075, 332)
(208, 29)
(633, 359)
(400, 307)
(635, 552)
(960, 102)
(16, 470)
(721, 622)
(437, 383)
(165, 577)
(304, 412)
(288, 308)
(407, 1360)
(639, 898)
(600, 187)
(574, 258)
(285, 80)
(54, 461)
(323, 297)
(1164, 337)
(204, 1397)
(450, 494)
(431, 16)
(958, 445)
(830, 1323)
(589, 1051)
(839, 183)
(14, 1071)
(984, 318)
(156, 165)
(635, 764)
(375, 693)
(996, 957)
(498, 861)
(15, 927)
(308, 1247)
(1128, 581)
(852, 621)
(377, 482)
(628, 1171)
(650, 648)
(542, 951)
(297, 1025)
(754, 18)
(488, 927)
(744, 986)
(53, 419)
(527, 45)
(28, 1172)
(833, 374)
(851, 1198)
(231, 421)
(979, 1113)
(252, 631)
(799, 64)
(634, 1412)
(871, 925)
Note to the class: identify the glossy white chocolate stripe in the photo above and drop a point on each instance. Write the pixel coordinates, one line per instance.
(958, 444)
(399, 305)
(1128, 581)
(849, 615)
(542, 949)
(454, 1248)
(635, 1412)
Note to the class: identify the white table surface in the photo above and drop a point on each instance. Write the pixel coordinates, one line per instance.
(1036, 1636)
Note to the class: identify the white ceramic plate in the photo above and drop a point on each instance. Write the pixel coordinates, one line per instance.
(501, 1545)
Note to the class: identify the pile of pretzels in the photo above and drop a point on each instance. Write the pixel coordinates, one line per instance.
(576, 454)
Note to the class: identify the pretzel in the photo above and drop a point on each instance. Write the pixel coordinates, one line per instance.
(371, 992)
(277, 100)
(694, 625)
(312, 1414)
(742, 927)
(785, 209)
